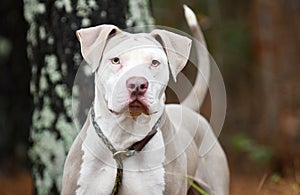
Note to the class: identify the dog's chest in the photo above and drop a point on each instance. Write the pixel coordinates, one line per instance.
(143, 172)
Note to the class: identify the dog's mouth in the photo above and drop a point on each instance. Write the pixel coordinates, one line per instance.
(136, 108)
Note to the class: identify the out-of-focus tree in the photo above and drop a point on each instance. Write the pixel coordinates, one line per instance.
(256, 46)
(277, 44)
(55, 56)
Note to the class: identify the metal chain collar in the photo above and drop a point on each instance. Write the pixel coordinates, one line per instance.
(117, 153)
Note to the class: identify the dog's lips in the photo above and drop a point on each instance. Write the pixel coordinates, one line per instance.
(114, 112)
(136, 108)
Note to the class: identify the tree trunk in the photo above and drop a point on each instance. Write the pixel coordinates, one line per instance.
(277, 29)
(54, 54)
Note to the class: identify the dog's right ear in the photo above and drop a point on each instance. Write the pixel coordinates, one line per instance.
(92, 41)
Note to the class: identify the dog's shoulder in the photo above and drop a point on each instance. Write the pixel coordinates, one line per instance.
(182, 115)
(187, 121)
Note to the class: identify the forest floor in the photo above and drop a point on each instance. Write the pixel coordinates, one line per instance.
(243, 182)
(263, 184)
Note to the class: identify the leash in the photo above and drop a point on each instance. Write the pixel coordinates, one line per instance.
(130, 151)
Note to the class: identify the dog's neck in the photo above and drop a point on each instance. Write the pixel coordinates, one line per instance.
(121, 129)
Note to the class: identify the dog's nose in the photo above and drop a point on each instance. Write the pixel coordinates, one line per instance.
(137, 85)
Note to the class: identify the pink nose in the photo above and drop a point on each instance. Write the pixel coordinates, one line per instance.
(137, 85)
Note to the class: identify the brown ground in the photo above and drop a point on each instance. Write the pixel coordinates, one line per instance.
(19, 183)
(263, 185)
(241, 184)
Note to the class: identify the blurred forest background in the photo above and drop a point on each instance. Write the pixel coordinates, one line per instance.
(256, 45)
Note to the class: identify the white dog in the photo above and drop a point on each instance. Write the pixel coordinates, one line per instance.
(131, 142)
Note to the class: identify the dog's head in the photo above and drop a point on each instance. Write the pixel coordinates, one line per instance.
(132, 70)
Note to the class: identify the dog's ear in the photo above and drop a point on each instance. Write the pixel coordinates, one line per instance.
(177, 48)
(92, 41)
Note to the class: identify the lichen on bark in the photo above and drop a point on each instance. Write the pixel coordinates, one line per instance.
(139, 15)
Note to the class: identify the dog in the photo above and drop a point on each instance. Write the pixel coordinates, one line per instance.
(132, 142)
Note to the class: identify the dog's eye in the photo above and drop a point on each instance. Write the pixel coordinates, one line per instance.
(155, 63)
(115, 60)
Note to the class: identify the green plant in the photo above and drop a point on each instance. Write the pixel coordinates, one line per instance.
(257, 153)
(195, 186)
(275, 177)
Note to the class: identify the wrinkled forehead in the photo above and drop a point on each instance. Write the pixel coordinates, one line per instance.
(124, 42)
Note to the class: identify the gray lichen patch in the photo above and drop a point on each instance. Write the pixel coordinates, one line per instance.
(43, 84)
(68, 106)
(47, 117)
(31, 9)
(50, 152)
(139, 14)
(64, 4)
(42, 33)
(67, 130)
(62, 91)
(52, 68)
(84, 9)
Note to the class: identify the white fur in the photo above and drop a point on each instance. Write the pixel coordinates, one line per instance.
(143, 172)
(184, 145)
(190, 16)
(135, 61)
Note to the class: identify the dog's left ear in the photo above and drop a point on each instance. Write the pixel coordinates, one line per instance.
(92, 41)
(177, 48)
